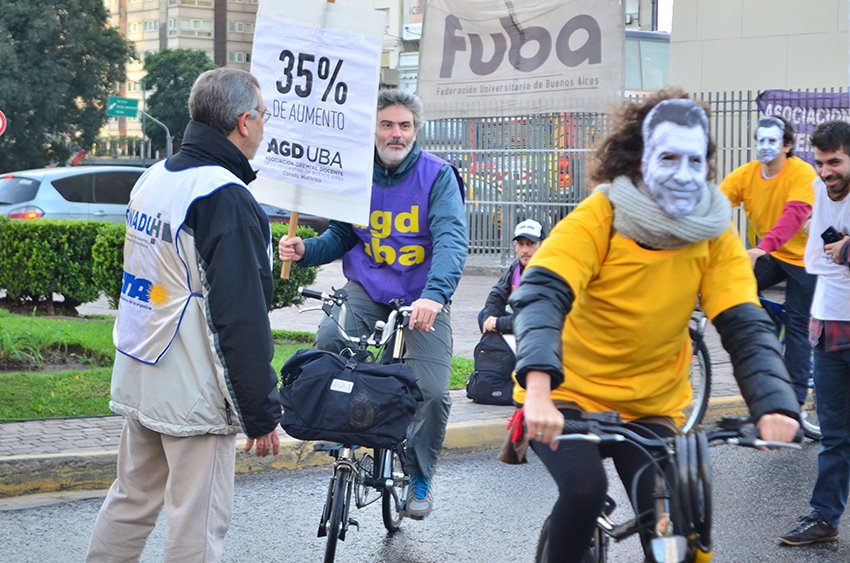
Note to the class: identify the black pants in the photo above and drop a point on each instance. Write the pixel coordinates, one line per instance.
(578, 471)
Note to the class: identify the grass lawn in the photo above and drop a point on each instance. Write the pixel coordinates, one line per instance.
(81, 386)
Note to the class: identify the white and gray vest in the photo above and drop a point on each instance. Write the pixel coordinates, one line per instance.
(158, 283)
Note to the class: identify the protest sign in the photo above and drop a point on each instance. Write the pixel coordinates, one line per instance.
(492, 58)
(318, 65)
(805, 111)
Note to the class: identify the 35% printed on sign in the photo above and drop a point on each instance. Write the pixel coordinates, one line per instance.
(302, 65)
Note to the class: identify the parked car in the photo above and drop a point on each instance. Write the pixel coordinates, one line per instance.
(281, 215)
(98, 193)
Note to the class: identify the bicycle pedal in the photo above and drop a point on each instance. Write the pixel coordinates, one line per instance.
(355, 523)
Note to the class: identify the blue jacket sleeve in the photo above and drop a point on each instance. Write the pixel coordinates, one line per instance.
(447, 221)
(337, 239)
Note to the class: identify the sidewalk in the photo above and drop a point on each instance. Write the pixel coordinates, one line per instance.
(50, 456)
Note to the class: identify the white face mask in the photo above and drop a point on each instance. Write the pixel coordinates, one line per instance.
(674, 167)
(768, 143)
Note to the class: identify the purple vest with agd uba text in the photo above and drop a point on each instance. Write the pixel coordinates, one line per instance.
(393, 256)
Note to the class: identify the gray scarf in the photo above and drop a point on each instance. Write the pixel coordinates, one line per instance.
(638, 217)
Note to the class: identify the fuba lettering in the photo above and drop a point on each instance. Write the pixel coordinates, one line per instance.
(454, 41)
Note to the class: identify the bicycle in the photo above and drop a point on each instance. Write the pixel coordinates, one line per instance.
(700, 372)
(688, 483)
(809, 415)
(368, 476)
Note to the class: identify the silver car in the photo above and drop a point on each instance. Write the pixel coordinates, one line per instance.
(98, 193)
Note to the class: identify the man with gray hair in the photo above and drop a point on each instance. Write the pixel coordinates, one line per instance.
(193, 337)
(413, 249)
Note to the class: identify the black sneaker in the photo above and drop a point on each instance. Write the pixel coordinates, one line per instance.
(812, 529)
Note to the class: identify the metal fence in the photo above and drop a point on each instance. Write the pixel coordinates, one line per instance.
(536, 166)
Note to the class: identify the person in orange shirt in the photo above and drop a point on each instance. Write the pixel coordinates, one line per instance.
(776, 192)
(601, 316)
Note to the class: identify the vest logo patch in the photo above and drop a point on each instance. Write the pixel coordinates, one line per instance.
(143, 223)
(141, 292)
(383, 224)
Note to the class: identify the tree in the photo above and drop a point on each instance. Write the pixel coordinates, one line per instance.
(60, 62)
(170, 74)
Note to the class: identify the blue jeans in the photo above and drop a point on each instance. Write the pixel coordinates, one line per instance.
(799, 288)
(832, 381)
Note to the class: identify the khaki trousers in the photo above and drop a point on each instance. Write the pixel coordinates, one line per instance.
(192, 477)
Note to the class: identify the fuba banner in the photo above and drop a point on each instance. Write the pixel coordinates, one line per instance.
(805, 111)
(493, 58)
(318, 66)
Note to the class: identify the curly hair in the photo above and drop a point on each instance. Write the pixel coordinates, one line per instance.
(621, 151)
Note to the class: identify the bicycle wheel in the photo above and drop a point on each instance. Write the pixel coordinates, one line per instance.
(392, 497)
(810, 424)
(700, 382)
(335, 525)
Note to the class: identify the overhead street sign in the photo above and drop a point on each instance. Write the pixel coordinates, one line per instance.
(122, 107)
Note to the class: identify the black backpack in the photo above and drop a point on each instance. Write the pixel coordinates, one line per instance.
(491, 382)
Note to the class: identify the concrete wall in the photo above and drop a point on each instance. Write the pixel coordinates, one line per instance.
(759, 44)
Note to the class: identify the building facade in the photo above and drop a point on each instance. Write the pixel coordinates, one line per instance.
(759, 44)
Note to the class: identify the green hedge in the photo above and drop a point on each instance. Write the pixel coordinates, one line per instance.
(109, 259)
(81, 259)
(40, 258)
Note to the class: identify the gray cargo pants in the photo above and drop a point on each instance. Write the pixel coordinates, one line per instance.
(430, 356)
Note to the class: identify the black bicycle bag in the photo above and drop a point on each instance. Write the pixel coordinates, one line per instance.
(328, 397)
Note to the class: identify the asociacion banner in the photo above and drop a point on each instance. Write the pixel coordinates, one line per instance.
(318, 65)
(805, 111)
(495, 58)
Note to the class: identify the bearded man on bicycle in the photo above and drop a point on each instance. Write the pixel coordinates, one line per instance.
(413, 249)
(601, 315)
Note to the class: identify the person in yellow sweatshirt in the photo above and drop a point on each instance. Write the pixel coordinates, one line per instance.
(776, 192)
(601, 316)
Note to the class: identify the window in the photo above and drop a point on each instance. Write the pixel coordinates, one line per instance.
(236, 27)
(114, 187)
(235, 57)
(152, 25)
(17, 190)
(75, 188)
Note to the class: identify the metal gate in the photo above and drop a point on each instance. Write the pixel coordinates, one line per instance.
(536, 166)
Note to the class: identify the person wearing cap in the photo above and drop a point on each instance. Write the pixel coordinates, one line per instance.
(601, 316)
(494, 317)
(777, 194)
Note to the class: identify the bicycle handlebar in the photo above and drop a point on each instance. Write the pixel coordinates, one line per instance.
(736, 431)
(394, 321)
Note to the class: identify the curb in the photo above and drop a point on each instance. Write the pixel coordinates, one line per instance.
(52, 474)
(22, 475)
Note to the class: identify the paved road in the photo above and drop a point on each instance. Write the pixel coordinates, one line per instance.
(485, 511)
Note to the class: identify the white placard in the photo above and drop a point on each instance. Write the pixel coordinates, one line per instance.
(318, 65)
(496, 58)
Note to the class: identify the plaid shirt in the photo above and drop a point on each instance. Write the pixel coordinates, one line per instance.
(836, 334)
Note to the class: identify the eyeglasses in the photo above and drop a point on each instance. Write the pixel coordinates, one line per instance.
(265, 116)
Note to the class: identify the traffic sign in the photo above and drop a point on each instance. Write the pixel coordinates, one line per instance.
(122, 107)
(2, 122)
